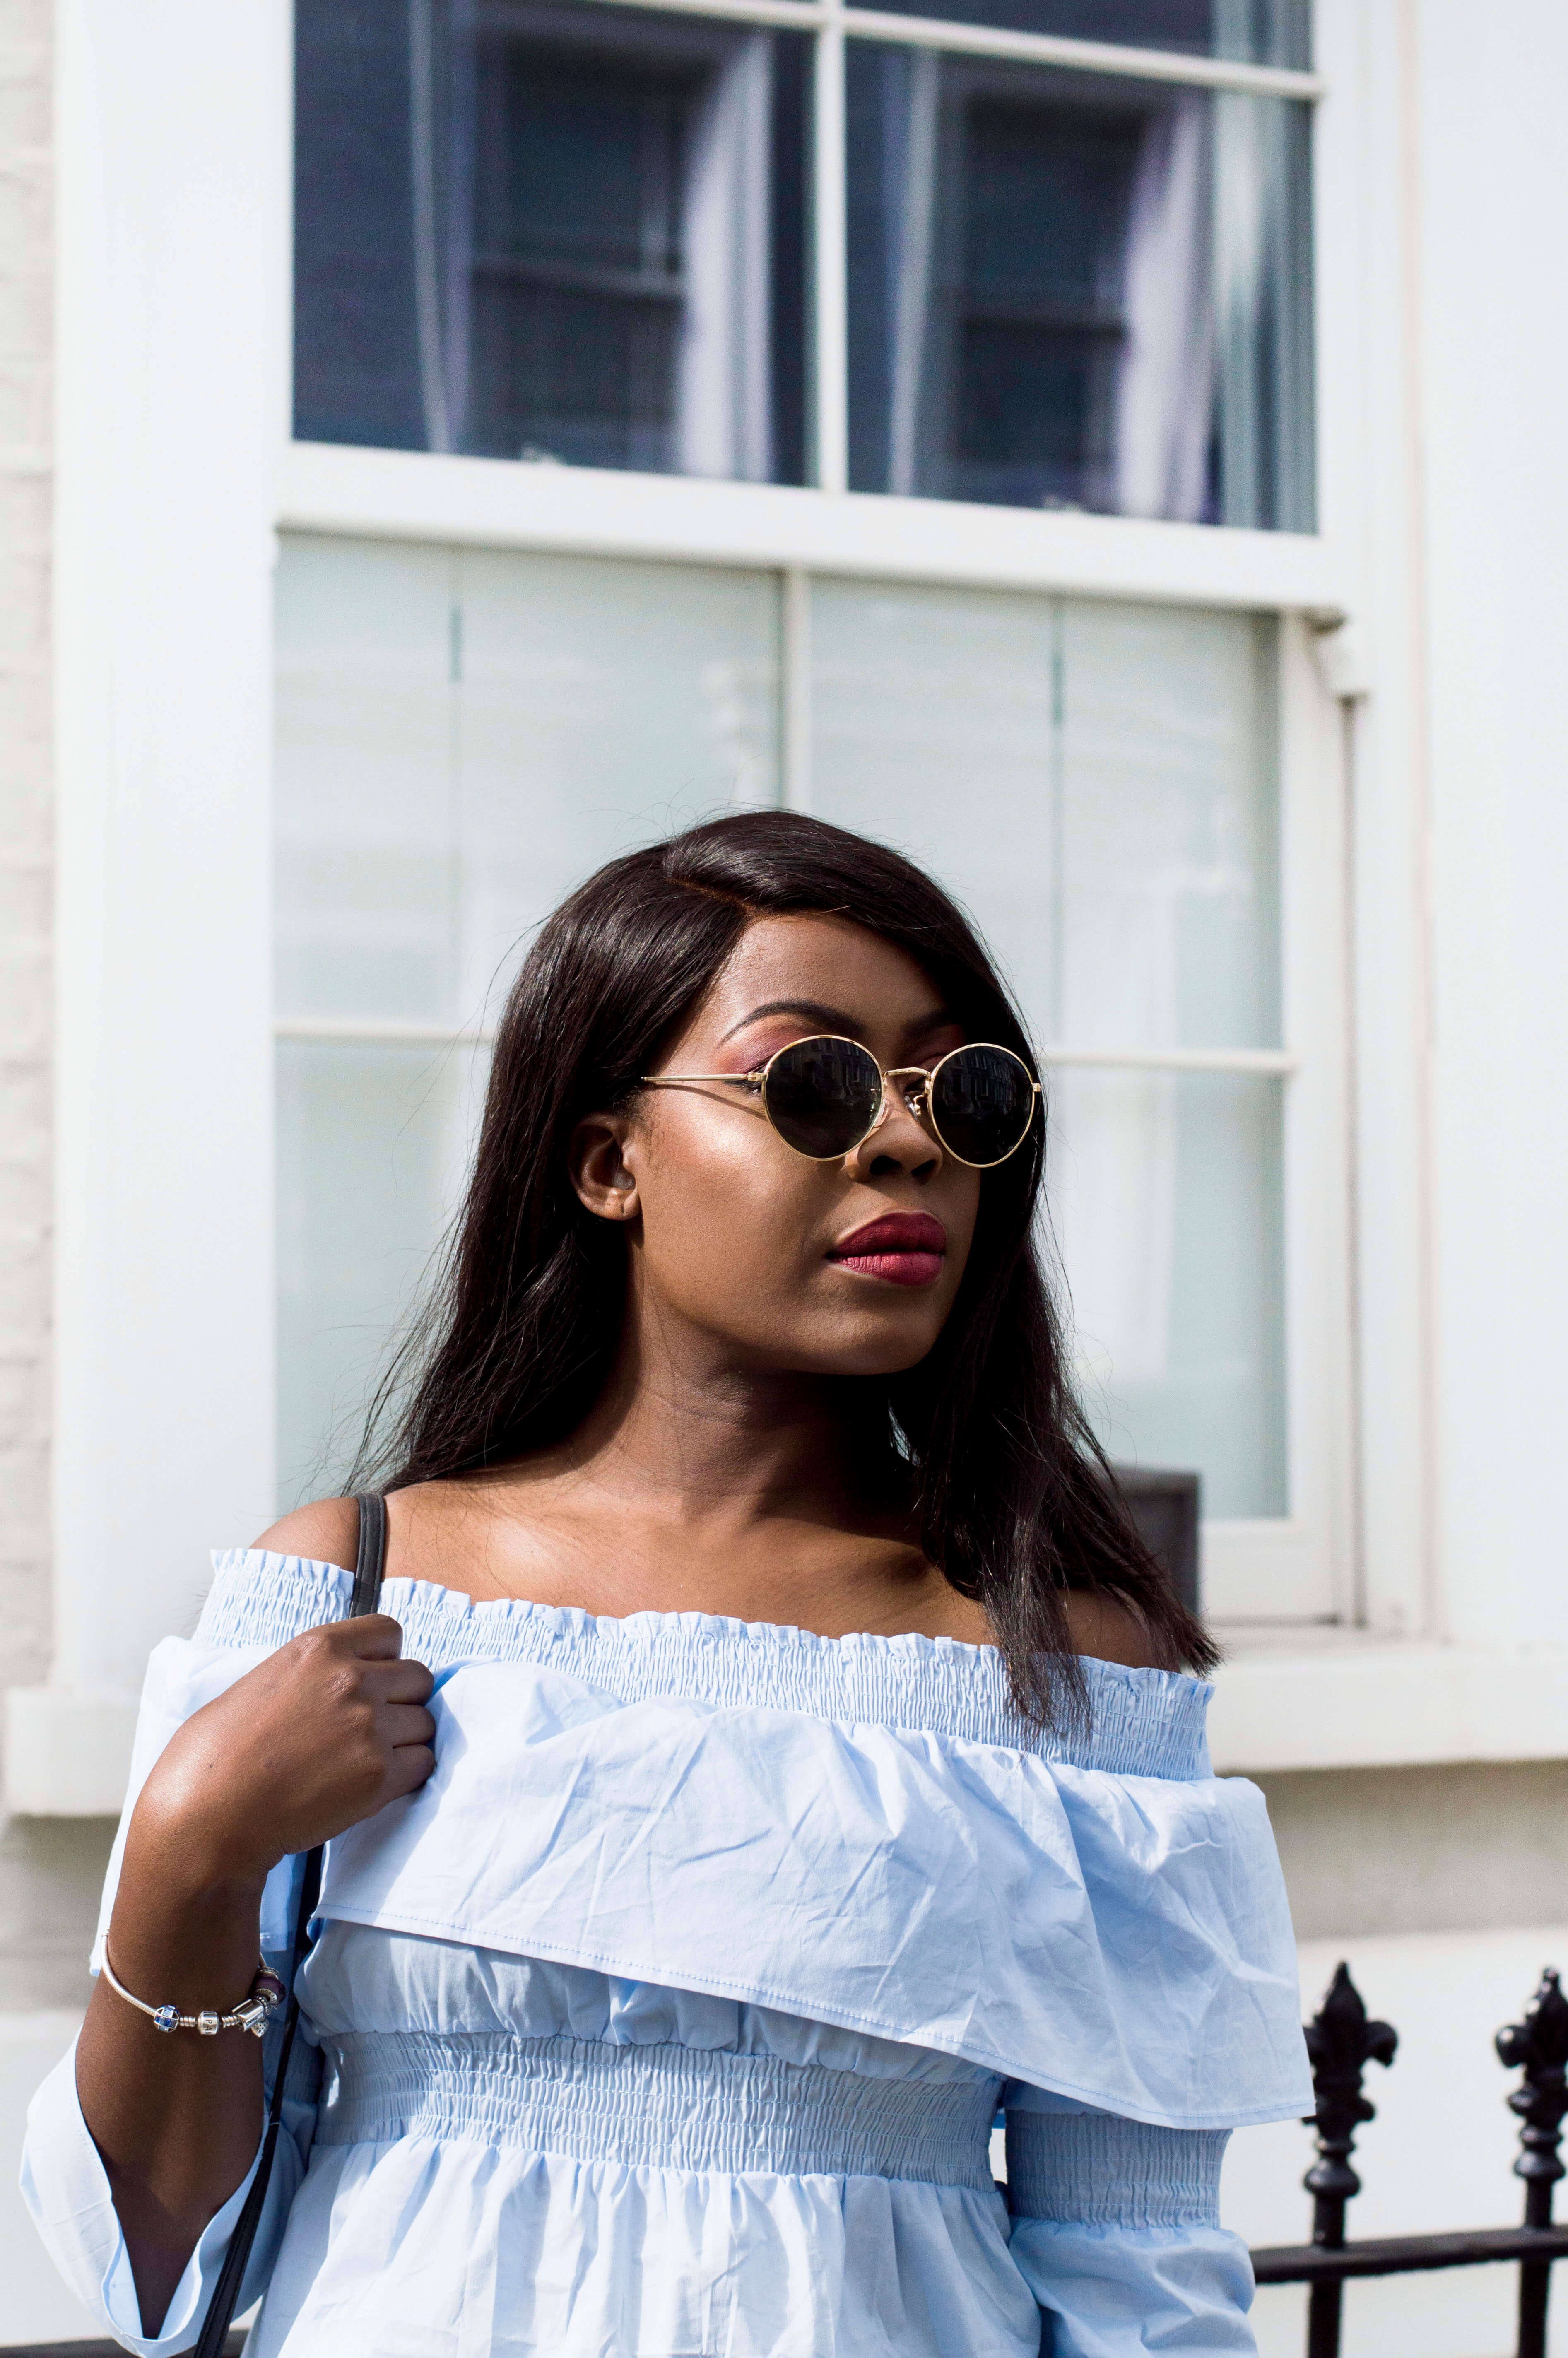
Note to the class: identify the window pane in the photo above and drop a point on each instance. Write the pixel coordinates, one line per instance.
(601, 704)
(462, 736)
(1165, 1200)
(373, 1142)
(1097, 784)
(552, 232)
(364, 781)
(1169, 813)
(933, 727)
(1256, 32)
(1070, 292)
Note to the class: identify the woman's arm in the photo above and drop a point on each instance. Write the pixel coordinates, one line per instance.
(319, 1736)
(1116, 2231)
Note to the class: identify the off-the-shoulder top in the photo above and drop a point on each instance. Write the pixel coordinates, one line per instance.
(671, 2016)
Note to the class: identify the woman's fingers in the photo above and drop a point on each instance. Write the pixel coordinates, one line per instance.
(398, 1681)
(409, 1766)
(373, 1636)
(312, 1740)
(407, 1723)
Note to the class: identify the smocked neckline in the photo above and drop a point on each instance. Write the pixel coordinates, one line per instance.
(577, 1621)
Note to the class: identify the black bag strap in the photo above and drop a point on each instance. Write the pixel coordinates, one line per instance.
(368, 1567)
(371, 1562)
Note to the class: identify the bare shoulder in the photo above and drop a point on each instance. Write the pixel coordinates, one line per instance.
(1111, 1631)
(326, 1531)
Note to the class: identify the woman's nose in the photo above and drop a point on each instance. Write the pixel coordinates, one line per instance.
(896, 1142)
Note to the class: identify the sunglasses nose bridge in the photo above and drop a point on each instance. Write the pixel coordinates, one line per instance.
(904, 1085)
(913, 1084)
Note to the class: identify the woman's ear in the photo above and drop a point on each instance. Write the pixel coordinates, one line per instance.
(600, 1162)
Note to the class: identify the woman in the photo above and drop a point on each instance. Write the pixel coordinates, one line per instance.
(774, 1755)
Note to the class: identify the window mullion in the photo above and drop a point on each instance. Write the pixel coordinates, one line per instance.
(830, 338)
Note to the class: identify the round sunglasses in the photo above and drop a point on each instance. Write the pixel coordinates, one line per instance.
(826, 1095)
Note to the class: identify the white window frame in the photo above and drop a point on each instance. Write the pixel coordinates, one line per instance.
(175, 472)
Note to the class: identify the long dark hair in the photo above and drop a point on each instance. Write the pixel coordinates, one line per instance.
(1014, 1500)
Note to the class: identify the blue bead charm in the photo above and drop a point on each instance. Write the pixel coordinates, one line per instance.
(166, 2017)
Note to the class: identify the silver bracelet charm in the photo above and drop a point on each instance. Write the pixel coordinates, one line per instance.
(252, 2013)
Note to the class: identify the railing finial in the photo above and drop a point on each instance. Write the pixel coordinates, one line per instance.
(1539, 2047)
(1341, 2042)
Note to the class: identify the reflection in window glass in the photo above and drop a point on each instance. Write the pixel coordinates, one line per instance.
(552, 232)
(1256, 32)
(1068, 292)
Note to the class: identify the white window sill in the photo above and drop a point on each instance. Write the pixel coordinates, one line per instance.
(1332, 1698)
(1285, 1699)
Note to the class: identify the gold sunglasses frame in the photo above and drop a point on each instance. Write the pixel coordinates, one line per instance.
(757, 1081)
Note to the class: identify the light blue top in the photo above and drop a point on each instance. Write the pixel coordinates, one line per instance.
(671, 2017)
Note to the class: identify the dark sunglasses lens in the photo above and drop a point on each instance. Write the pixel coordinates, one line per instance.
(982, 1103)
(823, 1095)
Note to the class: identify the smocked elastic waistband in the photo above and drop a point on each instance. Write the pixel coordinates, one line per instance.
(666, 2107)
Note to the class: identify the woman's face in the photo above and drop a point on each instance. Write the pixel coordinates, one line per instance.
(742, 1239)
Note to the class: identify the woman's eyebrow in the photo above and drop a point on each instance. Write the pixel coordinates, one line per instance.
(833, 1019)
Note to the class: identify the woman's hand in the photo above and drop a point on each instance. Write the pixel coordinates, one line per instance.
(324, 1733)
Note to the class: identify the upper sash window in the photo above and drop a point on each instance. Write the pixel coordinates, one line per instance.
(692, 244)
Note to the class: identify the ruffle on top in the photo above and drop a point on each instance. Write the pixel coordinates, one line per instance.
(859, 1831)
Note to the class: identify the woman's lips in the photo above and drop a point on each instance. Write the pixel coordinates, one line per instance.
(901, 1247)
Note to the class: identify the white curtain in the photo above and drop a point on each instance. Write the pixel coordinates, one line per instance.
(441, 126)
(1262, 312)
(1164, 392)
(912, 277)
(723, 396)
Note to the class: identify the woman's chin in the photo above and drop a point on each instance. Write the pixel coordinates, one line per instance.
(885, 1346)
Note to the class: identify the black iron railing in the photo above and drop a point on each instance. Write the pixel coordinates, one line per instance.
(1341, 2042)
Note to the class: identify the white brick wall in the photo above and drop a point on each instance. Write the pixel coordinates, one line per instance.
(50, 1869)
(26, 980)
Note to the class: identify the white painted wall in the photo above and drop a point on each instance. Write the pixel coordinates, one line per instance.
(1368, 202)
(1494, 362)
(27, 972)
(173, 288)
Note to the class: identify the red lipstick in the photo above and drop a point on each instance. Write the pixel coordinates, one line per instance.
(902, 1248)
